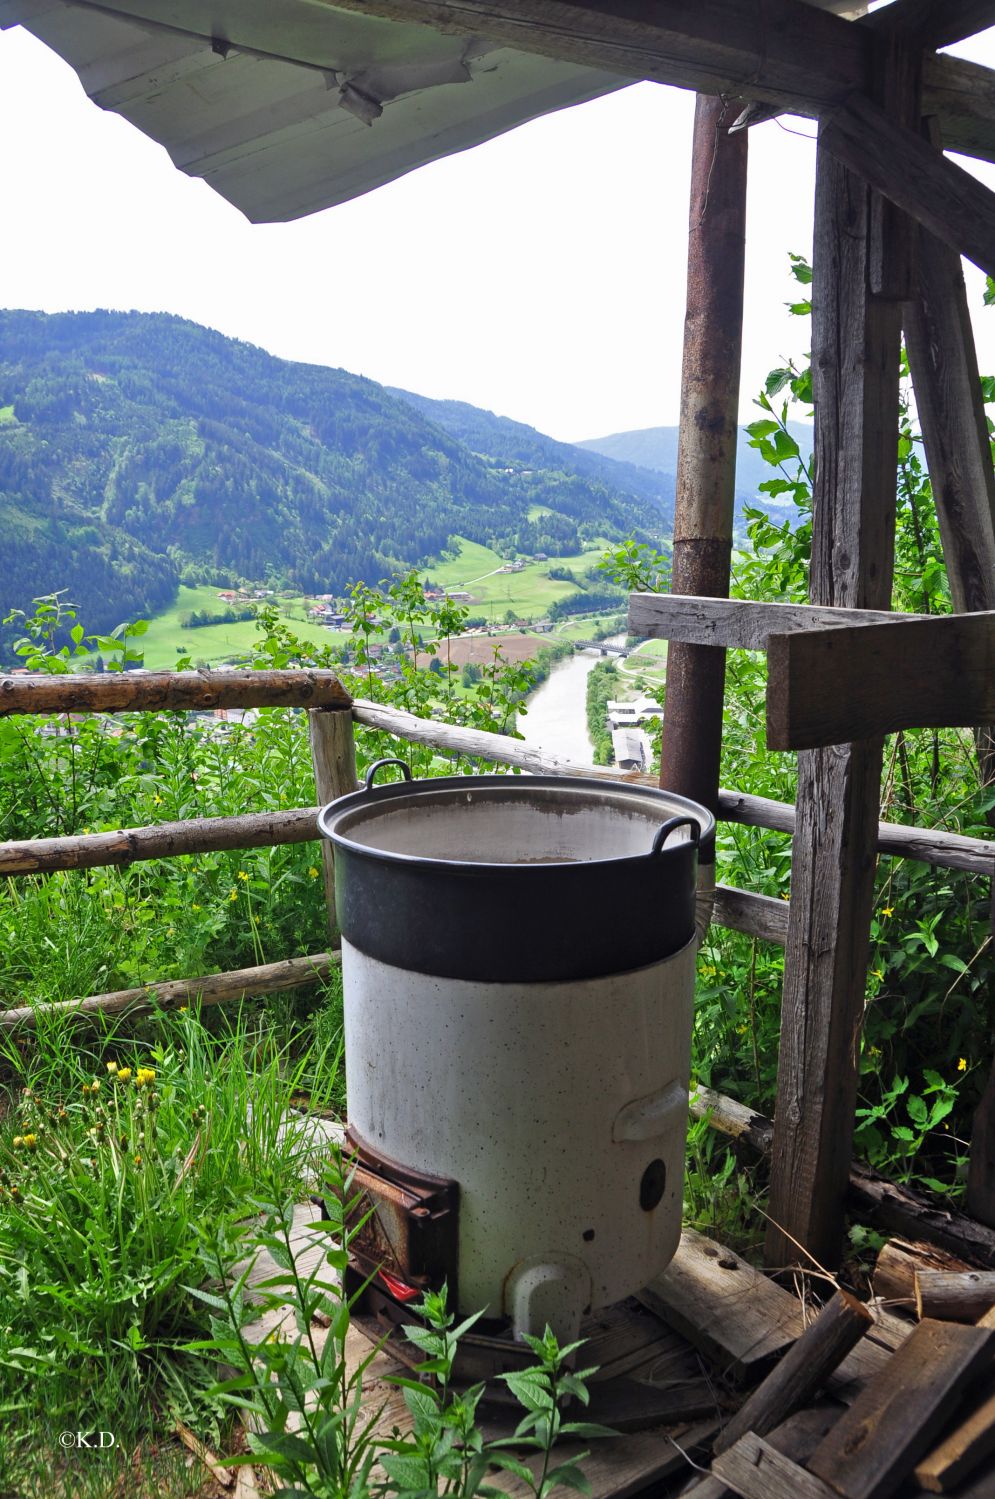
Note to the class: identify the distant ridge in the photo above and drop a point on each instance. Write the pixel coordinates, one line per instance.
(656, 448)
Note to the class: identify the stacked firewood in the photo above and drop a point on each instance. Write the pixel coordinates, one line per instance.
(922, 1423)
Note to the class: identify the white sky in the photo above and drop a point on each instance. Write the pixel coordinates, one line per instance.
(540, 275)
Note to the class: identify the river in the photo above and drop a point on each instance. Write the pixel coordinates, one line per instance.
(557, 716)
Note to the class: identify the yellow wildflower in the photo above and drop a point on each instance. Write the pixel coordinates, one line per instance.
(961, 1064)
(195, 907)
(18, 1141)
(137, 1159)
(95, 1086)
(111, 1066)
(29, 1142)
(123, 1074)
(184, 1009)
(145, 1075)
(233, 895)
(242, 874)
(887, 910)
(313, 873)
(157, 800)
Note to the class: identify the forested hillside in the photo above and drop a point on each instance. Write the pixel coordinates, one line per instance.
(137, 449)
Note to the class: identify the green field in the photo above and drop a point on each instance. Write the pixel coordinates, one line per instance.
(529, 593)
(166, 639)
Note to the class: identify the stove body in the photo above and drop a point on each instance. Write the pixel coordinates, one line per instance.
(518, 970)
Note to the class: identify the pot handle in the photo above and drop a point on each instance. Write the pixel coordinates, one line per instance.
(379, 764)
(668, 827)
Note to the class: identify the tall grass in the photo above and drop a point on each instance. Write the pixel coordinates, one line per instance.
(116, 1153)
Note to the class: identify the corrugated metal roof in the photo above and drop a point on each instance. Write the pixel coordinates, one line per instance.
(288, 106)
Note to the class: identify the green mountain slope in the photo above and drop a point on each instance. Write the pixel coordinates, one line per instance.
(139, 449)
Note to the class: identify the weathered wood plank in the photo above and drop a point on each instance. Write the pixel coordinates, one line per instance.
(954, 1295)
(210, 989)
(739, 624)
(758, 915)
(962, 1450)
(961, 96)
(920, 180)
(691, 744)
(796, 1438)
(803, 1370)
(756, 1470)
(827, 687)
(171, 691)
(333, 756)
(877, 1443)
(723, 1305)
(934, 23)
(855, 370)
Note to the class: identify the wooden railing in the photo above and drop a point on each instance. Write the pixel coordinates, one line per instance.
(332, 716)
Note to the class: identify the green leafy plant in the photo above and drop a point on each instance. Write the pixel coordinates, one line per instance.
(304, 1398)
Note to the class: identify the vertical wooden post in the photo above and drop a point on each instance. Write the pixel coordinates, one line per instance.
(855, 371)
(333, 755)
(706, 455)
(944, 367)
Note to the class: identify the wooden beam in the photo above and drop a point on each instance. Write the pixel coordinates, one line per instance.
(920, 180)
(960, 95)
(209, 989)
(691, 746)
(791, 55)
(794, 55)
(171, 691)
(855, 371)
(831, 686)
(756, 1470)
(739, 624)
(933, 23)
(875, 1446)
(758, 915)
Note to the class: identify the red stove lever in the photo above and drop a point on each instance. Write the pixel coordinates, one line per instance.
(399, 1289)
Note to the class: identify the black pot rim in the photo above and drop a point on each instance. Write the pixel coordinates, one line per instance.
(397, 790)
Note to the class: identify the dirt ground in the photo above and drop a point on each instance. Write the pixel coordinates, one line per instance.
(479, 649)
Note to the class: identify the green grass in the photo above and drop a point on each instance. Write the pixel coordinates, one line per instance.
(166, 639)
(529, 593)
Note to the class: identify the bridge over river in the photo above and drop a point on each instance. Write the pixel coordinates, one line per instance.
(606, 647)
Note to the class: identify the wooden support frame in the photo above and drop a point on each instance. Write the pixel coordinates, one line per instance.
(855, 368)
(793, 56)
